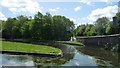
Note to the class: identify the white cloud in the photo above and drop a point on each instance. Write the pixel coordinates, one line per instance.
(91, 2)
(83, 18)
(77, 8)
(53, 10)
(88, 2)
(72, 19)
(106, 0)
(108, 12)
(13, 9)
(30, 6)
(2, 16)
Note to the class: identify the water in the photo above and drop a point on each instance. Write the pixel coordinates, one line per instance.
(75, 57)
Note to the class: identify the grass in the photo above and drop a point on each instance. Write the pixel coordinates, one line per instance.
(0, 45)
(31, 48)
(71, 43)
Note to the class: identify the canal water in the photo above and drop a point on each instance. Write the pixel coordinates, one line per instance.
(73, 57)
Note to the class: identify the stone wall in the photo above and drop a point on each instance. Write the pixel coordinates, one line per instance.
(105, 41)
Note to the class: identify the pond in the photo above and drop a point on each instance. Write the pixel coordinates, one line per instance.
(72, 57)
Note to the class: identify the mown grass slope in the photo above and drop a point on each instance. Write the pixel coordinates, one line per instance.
(25, 47)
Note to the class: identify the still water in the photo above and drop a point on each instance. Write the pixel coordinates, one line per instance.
(75, 57)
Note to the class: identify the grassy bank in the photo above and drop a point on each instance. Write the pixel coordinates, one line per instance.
(31, 48)
(71, 43)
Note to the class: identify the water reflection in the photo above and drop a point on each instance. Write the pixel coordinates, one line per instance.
(102, 57)
(47, 61)
(80, 60)
(16, 60)
(72, 57)
(24, 60)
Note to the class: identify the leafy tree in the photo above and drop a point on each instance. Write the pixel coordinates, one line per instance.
(47, 32)
(42, 27)
(8, 26)
(117, 27)
(22, 22)
(92, 31)
(88, 29)
(16, 32)
(37, 26)
(80, 30)
(0, 29)
(63, 28)
(100, 25)
(109, 28)
(2, 25)
(58, 27)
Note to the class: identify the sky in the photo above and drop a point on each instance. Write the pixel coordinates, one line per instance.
(78, 11)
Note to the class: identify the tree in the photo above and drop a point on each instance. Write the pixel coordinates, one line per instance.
(58, 27)
(2, 25)
(80, 30)
(37, 26)
(22, 22)
(47, 32)
(42, 27)
(92, 31)
(109, 28)
(8, 27)
(100, 25)
(117, 27)
(16, 32)
(63, 28)
(87, 30)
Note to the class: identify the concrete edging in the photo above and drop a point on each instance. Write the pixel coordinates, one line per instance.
(31, 53)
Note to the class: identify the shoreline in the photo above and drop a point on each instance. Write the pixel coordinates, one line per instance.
(31, 53)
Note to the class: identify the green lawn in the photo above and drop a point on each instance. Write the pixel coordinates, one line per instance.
(71, 43)
(32, 48)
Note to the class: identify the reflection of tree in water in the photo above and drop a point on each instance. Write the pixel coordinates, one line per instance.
(100, 62)
(102, 57)
(18, 58)
(49, 61)
(68, 53)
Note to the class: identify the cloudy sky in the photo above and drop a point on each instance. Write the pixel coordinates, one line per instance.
(79, 11)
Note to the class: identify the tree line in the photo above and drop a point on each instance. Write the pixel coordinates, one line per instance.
(48, 27)
(102, 26)
(41, 27)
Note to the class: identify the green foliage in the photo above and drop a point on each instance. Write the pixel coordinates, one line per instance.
(7, 27)
(102, 26)
(36, 26)
(109, 28)
(0, 25)
(42, 27)
(118, 23)
(86, 30)
(89, 31)
(47, 27)
(80, 30)
(63, 28)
